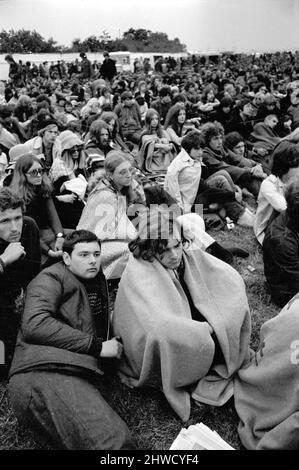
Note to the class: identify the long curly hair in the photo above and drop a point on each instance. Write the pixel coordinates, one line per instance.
(156, 227)
(107, 116)
(148, 119)
(210, 130)
(172, 118)
(20, 185)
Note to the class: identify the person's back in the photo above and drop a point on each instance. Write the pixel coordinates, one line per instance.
(281, 259)
(266, 389)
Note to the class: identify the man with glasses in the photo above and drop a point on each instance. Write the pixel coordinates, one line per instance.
(19, 264)
(44, 144)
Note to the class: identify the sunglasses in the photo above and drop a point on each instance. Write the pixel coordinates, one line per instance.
(36, 172)
(75, 149)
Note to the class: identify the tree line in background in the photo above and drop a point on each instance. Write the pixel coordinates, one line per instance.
(133, 40)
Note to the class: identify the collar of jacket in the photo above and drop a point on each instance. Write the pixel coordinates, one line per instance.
(102, 283)
(217, 155)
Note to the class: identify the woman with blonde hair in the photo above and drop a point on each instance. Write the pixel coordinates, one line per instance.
(69, 186)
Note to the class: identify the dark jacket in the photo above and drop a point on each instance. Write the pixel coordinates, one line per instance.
(217, 161)
(86, 69)
(58, 329)
(129, 118)
(108, 69)
(161, 108)
(17, 275)
(237, 124)
(281, 259)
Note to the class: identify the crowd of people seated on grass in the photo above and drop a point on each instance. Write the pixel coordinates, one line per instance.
(112, 181)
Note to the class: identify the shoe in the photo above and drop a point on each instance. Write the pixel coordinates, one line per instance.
(236, 251)
(219, 252)
(246, 219)
(246, 193)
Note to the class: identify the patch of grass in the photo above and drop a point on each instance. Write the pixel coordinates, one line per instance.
(153, 424)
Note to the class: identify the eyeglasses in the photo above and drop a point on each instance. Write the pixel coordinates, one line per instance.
(75, 149)
(35, 173)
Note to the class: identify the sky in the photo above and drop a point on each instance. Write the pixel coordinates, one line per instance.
(203, 25)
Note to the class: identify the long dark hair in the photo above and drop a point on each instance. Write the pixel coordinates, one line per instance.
(107, 116)
(19, 182)
(172, 118)
(156, 227)
(148, 118)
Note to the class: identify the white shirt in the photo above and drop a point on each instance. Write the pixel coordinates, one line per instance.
(271, 197)
(182, 180)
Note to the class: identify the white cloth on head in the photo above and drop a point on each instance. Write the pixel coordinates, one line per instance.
(194, 231)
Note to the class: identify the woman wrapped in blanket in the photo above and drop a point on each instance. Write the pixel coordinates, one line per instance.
(106, 211)
(183, 317)
(157, 151)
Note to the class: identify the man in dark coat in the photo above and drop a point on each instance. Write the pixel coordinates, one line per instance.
(163, 103)
(15, 70)
(63, 339)
(108, 68)
(86, 67)
(19, 264)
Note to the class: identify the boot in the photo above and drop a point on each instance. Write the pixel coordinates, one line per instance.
(219, 252)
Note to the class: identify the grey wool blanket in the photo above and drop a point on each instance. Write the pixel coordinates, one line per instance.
(164, 347)
(267, 389)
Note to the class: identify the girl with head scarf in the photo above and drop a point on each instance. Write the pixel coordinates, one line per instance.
(67, 167)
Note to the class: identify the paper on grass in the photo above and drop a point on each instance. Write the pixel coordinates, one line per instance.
(199, 437)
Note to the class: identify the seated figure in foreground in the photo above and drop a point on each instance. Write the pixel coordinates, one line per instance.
(266, 389)
(183, 317)
(58, 361)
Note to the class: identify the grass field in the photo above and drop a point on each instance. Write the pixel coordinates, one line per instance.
(149, 417)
